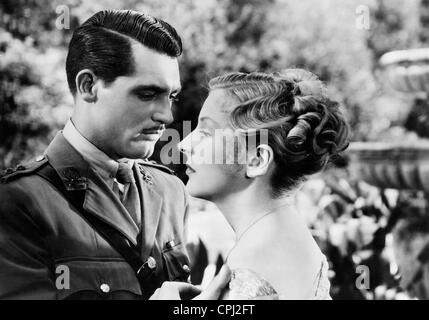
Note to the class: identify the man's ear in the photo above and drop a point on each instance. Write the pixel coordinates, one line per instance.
(259, 161)
(86, 85)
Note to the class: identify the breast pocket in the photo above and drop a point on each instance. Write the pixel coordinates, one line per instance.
(87, 279)
(177, 263)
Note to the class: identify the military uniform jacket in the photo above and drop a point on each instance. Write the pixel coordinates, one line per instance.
(48, 251)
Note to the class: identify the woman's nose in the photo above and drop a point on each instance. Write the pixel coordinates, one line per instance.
(185, 146)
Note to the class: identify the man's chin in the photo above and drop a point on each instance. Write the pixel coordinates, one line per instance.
(139, 153)
(144, 155)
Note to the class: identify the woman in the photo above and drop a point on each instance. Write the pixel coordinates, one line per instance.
(279, 129)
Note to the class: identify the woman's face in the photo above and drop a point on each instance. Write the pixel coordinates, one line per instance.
(214, 157)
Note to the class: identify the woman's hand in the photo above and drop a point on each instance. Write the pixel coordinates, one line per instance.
(183, 291)
(175, 291)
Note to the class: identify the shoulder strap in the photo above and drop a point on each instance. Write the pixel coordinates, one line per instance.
(21, 170)
(76, 197)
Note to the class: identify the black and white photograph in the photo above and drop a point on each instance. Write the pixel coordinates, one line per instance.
(228, 150)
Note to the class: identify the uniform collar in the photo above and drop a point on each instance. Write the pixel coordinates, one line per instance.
(105, 166)
(68, 163)
(77, 174)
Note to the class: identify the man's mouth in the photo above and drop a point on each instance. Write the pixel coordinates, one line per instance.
(154, 130)
(151, 134)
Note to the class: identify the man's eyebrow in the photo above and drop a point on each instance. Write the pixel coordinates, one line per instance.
(155, 88)
(150, 87)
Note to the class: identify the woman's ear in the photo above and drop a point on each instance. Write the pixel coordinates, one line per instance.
(259, 161)
(86, 85)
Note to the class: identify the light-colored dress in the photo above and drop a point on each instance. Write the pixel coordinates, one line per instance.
(246, 284)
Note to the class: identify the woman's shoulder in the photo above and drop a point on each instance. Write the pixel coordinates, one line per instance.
(249, 284)
(290, 270)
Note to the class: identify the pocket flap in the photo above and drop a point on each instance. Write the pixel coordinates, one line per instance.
(92, 279)
(177, 263)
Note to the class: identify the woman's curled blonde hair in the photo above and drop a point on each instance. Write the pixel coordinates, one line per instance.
(305, 127)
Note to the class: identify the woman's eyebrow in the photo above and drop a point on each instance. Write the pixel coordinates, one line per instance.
(177, 90)
(209, 121)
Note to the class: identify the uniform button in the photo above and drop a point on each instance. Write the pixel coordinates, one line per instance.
(186, 268)
(20, 167)
(170, 244)
(40, 158)
(105, 288)
(151, 263)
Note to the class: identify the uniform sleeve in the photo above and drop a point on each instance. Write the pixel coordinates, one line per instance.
(25, 271)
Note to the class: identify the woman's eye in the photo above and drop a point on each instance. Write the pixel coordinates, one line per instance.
(174, 98)
(205, 133)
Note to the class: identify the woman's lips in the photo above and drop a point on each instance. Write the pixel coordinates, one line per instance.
(190, 170)
(148, 137)
(152, 131)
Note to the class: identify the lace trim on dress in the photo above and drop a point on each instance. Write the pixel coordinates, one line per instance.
(246, 284)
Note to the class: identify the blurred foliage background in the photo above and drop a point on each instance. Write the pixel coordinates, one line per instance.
(350, 220)
(218, 36)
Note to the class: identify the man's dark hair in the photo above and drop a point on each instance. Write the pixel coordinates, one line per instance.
(103, 43)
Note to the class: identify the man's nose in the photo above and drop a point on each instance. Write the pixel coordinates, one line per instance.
(163, 113)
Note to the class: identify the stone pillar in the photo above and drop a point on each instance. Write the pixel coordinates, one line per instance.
(395, 165)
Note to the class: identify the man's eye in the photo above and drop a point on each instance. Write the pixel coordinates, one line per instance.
(146, 96)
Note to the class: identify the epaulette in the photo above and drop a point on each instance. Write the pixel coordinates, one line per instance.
(155, 164)
(22, 170)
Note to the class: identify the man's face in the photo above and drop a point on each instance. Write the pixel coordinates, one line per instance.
(130, 113)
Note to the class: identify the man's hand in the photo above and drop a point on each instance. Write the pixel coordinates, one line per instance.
(182, 291)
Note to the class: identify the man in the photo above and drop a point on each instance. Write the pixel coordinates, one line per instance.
(88, 219)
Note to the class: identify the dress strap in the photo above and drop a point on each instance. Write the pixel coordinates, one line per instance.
(322, 284)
